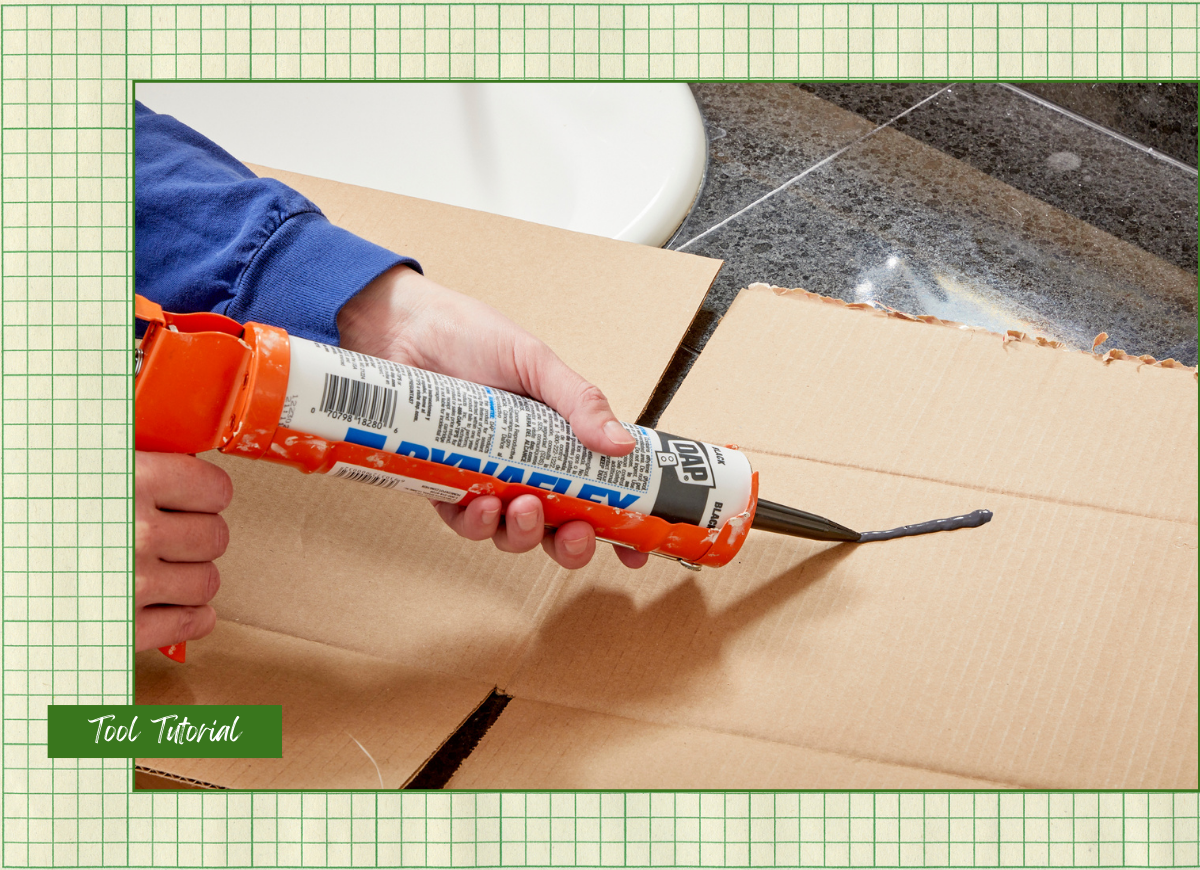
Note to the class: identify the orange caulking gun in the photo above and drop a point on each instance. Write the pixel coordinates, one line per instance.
(204, 381)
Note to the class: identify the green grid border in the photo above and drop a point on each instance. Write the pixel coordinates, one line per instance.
(65, 260)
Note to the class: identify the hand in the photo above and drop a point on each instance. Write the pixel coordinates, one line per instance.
(177, 534)
(407, 318)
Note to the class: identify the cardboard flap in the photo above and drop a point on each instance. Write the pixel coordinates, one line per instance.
(799, 376)
(349, 720)
(538, 746)
(614, 311)
(377, 571)
(1054, 647)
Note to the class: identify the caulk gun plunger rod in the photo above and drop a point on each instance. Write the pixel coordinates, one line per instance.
(783, 520)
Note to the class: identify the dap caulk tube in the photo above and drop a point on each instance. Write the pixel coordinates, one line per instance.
(204, 381)
(345, 396)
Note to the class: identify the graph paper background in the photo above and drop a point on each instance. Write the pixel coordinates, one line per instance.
(67, 420)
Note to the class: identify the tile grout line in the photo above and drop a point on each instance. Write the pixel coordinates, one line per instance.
(1100, 128)
(811, 169)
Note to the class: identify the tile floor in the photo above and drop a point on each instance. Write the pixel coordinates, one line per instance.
(979, 203)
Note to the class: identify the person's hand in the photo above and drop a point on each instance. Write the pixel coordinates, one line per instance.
(407, 318)
(177, 534)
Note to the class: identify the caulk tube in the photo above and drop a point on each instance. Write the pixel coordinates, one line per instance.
(341, 395)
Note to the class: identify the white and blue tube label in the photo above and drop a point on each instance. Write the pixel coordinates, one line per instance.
(345, 396)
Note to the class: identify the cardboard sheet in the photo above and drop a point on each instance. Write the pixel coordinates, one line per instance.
(331, 698)
(536, 746)
(1054, 647)
(351, 567)
(376, 571)
(799, 377)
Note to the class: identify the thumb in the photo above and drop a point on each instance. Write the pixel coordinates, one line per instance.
(583, 405)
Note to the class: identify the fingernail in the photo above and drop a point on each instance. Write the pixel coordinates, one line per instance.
(575, 546)
(617, 433)
(526, 520)
(489, 517)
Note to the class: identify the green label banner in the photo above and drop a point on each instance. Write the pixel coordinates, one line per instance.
(164, 731)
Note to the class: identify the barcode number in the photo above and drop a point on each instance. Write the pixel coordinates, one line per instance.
(362, 475)
(372, 405)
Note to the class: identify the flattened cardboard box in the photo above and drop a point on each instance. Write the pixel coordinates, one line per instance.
(1054, 647)
(376, 628)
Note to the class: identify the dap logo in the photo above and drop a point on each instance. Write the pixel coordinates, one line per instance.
(689, 461)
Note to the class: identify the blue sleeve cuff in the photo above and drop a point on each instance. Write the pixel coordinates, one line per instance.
(304, 273)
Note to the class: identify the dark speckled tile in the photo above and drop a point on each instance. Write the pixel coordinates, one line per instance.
(1158, 115)
(905, 225)
(977, 225)
(1086, 173)
(878, 102)
(1161, 115)
(760, 137)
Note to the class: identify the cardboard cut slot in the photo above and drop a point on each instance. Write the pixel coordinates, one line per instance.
(343, 576)
(438, 771)
(536, 746)
(349, 720)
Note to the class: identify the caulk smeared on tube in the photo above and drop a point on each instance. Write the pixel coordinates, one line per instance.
(966, 521)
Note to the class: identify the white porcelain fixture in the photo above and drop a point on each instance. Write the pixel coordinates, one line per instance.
(617, 160)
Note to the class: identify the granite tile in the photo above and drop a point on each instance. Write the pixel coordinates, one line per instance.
(1084, 172)
(904, 225)
(909, 226)
(878, 102)
(759, 136)
(1161, 115)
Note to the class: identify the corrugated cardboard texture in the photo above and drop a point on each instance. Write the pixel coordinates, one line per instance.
(331, 698)
(535, 746)
(1054, 647)
(375, 571)
(352, 567)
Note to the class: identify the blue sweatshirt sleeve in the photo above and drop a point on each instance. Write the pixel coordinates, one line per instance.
(212, 236)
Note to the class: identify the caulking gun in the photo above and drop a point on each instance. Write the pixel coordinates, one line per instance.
(204, 381)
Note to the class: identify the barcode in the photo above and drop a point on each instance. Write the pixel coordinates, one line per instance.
(373, 405)
(362, 475)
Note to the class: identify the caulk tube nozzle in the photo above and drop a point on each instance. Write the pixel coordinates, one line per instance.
(783, 520)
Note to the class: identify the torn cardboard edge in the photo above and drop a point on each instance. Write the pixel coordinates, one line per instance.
(1060, 655)
(149, 779)
(1011, 335)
